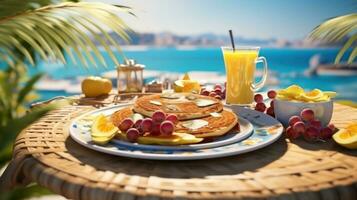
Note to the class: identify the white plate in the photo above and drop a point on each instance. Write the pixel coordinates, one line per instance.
(83, 126)
(266, 131)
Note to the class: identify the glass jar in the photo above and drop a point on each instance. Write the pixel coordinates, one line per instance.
(130, 77)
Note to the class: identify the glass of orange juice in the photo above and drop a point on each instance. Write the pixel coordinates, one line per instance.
(240, 66)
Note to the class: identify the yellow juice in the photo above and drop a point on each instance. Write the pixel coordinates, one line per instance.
(240, 67)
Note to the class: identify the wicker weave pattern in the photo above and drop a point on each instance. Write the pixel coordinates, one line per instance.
(45, 153)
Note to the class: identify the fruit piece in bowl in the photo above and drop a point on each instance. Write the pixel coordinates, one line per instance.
(293, 100)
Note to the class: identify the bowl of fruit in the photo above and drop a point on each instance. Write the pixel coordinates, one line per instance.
(314, 105)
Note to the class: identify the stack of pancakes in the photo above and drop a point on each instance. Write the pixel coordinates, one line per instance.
(189, 108)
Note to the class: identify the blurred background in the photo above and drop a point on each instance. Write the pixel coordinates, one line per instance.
(45, 45)
(186, 35)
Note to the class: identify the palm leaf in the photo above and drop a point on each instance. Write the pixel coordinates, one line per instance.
(65, 26)
(27, 88)
(336, 29)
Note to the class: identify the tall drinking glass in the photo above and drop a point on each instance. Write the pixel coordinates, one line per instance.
(240, 67)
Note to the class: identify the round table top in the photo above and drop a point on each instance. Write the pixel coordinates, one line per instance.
(45, 153)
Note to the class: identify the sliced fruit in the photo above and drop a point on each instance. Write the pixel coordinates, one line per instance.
(174, 139)
(330, 94)
(102, 140)
(187, 86)
(186, 77)
(294, 90)
(346, 138)
(296, 93)
(283, 97)
(312, 95)
(103, 130)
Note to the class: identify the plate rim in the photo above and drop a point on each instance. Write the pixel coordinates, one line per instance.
(153, 156)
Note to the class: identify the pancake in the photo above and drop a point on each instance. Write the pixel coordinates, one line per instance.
(184, 105)
(217, 124)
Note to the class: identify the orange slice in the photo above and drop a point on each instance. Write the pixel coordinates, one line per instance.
(347, 137)
(103, 130)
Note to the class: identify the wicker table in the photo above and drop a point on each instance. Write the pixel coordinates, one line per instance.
(45, 153)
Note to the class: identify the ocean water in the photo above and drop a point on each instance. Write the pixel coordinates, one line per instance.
(287, 63)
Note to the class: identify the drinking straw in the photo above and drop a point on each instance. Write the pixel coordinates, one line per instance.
(232, 40)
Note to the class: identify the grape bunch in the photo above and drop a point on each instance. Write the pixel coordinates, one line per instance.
(309, 127)
(218, 92)
(159, 124)
(260, 105)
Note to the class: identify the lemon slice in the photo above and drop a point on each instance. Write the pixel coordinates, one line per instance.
(186, 86)
(294, 90)
(312, 95)
(347, 138)
(186, 77)
(352, 127)
(330, 94)
(103, 130)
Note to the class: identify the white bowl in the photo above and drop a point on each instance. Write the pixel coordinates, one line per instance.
(285, 109)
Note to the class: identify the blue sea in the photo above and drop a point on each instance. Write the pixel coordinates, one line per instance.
(288, 64)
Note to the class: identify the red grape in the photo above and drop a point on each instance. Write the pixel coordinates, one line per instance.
(217, 86)
(290, 133)
(167, 128)
(205, 93)
(218, 97)
(158, 116)
(155, 129)
(315, 123)
(270, 111)
(146, 125)
(132, 135)
(311, 133)
(299, 127)
(307, 114)
(260, 107)
(126, 124)
(258, 98)
(218, 91)
(332, 127)
(212, 94)
(173, 118)
(326, 133)
(224, 93)
(137, 124)
(272, 103)
(272, 94)
(294, 119)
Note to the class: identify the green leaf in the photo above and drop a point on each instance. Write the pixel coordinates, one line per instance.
(336, 29)
(15, 126)
(352, 55)
(27, 88)
(26, 192)
(49, 30)
(345, 47)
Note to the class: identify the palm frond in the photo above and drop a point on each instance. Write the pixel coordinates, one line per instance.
(51, 29)
(336, 29)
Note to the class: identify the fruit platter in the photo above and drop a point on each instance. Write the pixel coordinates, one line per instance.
(175, 126)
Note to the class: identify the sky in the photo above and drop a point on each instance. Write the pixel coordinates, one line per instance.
(263, 19)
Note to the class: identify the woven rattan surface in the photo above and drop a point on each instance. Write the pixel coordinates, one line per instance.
(45, 153)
